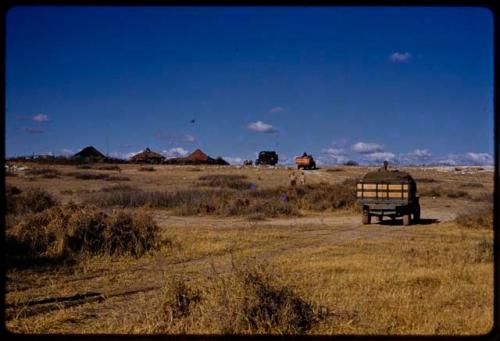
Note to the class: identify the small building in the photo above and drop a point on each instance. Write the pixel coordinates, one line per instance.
(89, 153)
(148, 156)
(198, 157)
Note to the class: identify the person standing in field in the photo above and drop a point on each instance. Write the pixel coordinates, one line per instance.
(302, 178)
(293, 179)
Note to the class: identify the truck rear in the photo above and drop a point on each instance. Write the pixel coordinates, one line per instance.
(388, 193)
(305, 162)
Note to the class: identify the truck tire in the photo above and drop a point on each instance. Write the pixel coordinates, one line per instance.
(406, 219)
(366, 219)
(416, 216)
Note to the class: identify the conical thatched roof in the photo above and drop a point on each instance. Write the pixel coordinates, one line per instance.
(197, 155)
(89, 152)
(147, 156)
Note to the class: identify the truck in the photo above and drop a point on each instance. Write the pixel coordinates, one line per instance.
(267, 158)
(305, 162)
(388, 193)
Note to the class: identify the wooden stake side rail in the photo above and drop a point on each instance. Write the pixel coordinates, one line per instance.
(382, 191)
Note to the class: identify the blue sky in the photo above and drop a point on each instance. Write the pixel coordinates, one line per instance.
(411, 85)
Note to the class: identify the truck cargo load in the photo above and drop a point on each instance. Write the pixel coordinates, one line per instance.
(389, 193)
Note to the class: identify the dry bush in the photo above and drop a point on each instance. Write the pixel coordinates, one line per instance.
(179, 300)
(483, 253)
(426, 180)
(457, 194)
(439, 191)
(116, 188)
(334, 170)
(71, 231)
(27, 201)
(83, 167)
(96, 176)
(324, 196)
(130, 233)
(472, 185)
(10, 173)
(483, 197)
(478, 219)
(48, 173)
(147, 169)
(268, 202)
(117, 178)
(258, 216)
(88, 175)
(109, 167)
(11, 195)
(434, 191)
(225, 181)
(250, 299)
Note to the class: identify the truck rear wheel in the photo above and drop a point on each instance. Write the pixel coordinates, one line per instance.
(366, 219)
(416, 216)
(406, 219)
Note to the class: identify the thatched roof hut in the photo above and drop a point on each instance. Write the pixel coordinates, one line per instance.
(89, 153)
(198, 157)
(147, 156)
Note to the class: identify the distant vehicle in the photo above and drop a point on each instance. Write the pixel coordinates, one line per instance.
(305, 162)
(248, 163)
(267, 158)
(388, 193)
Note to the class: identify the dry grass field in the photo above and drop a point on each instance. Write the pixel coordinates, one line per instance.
(231, 250)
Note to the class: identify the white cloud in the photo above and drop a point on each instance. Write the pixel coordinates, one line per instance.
(40, 118)
(67, 152)
(418, 156)
(467, 159)
(261, 127)
(367, 147)
(276, 109)
(188, 138)
(123, 156)
(400, 57)
(380, 156)
(334, 151)
(175, 152)
(233, 160)
(479, 159)
(332, 156)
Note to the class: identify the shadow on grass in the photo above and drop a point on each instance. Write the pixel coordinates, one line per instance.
(399, 222)
(36, 263)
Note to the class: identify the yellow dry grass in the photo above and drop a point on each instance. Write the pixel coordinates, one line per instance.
(426, 279)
